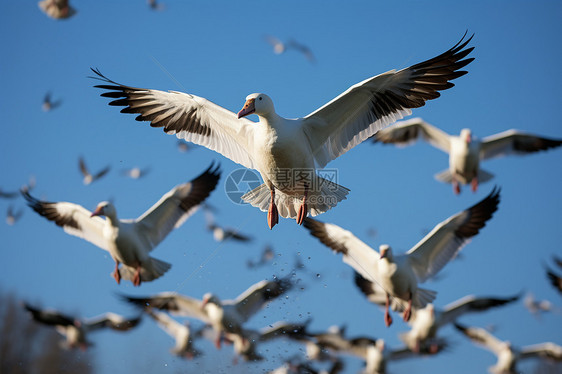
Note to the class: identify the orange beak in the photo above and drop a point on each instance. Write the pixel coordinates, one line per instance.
(383, 254)
(97, 212)
(248, 109)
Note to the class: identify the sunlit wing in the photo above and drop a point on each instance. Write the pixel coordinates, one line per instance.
(255, 297)
(171, 302)
(515, 142)
(189, 117)
(368, 106)
(469, 304)
(482, 337)
(442, 244)
(406, 132)
(112, 321)
(543, 350)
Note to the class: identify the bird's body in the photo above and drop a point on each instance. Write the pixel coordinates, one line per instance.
(288, 152)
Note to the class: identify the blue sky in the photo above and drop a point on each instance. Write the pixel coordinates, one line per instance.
(216, 50)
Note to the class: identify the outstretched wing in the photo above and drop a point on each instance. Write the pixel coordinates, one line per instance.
(406, 132)
(515, 142)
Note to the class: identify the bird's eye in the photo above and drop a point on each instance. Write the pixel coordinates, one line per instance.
(260, 98)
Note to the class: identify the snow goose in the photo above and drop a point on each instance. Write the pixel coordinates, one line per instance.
(130, 241)
(465, 151)
(181, 332)
(427, 321)
(399, 275)
(287, 152)
(507, 354)
(57, 9)
(49, 104)
(88, 177)
(75, 330)
(226, 316)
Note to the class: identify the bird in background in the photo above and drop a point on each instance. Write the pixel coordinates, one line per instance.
(155, 5)
(465, 151)
(180, 332)
(398, 275)
(8, 194)
(280, 47)
(135, 172)
(89, 178)
(538, 307)
(554, 278)
(12, 216)
(57, 9)
(288, 152)
(224, 316)
(222, 233)
(49, 104)
(266, 256)
(130, 241)
(77, 330)
(507, 354)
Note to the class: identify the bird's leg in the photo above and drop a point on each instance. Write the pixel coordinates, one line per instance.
(116, 273)
(303, 208)
(408, 311)
(137, 276)
(387, 317)
(474, 184)
(456, 187)
(272, 214)
(218, 340)
(433, 348)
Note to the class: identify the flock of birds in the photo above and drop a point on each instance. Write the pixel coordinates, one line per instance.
(278, 147)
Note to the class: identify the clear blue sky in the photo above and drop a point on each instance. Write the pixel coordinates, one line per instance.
(216, 50)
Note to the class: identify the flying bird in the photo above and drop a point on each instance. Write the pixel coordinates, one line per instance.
(155, 5)
(76, 330)
(130, 241)
(465, 150)
(287, 152)
(226, 316)
(135, 172)
(536, 307)
(181, 332)
(13, 216)
(88, 178)
(280, 47)
(49, 104)
(507, 354)
(399, 275)
(221, 233)
(57, 9)
(8, 195)
(267, 254)
(555, 279)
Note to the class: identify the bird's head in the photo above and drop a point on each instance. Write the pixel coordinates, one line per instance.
(105, 208)
(209, 298)
(257, 103)
(385, 251)
(466, 135)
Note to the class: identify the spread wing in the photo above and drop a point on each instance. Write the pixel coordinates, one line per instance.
(543, 350)
(471, 303)
(176, 206)
(189, 117)
(49, 317)
(515, 142)
(406, 132)
(112, 321)
(255, 297)
(73, 218)
(450, 236)
(482, 337)
(376, 102)
(171, 302)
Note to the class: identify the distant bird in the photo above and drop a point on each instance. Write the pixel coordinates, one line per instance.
(465, 151)
(399, 275)
(508, 355)
(555, 280)
(181, 332)
(280, 47)
(76, 330)
(57, 9)
(267, 254)
(13, 216)
(221, 233)
(226, 316)
(49, 104)
(155, 5)
(88, 177)
(183, 146)
(135, 172)
(130, 241)
(536, 307)
(427, 321)
(287, 152)
(8, 195)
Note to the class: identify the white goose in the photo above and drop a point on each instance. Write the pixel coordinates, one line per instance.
(286, 152)
(507, 354)
(465, 151)
(226, 316)
(75, 330)
(399, 275)
(130, 241)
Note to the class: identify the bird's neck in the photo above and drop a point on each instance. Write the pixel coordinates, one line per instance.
(112, 220)
(271, 120)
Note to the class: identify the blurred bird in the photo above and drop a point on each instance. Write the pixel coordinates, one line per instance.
(465, 151)
(276, 146)
(155, 5)
(226, 316)
(57, 9)
(181, 332)
(130, 241)
(279, 47)
(89, 178)
(183, 146)
(221, 233)
(508, 355)
(76, 330)
(135, 172)
(48, 104)
(266, 256)
(537, 307)
(8, 195)
(13, 216)
(399, 275)
(555, 279)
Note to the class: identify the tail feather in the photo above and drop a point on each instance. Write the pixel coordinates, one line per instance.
(444, 176)
(325, 196)
(424, 297)
(149, 272)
